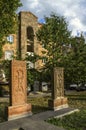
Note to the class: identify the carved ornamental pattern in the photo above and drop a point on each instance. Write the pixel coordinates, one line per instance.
(58, 83)
(18, 83)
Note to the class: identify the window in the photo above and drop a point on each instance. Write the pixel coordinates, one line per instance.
(8, 55)
(10, 38)
(30, 39)
(30, 33)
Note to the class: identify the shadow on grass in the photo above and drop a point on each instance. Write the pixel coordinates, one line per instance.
(39, 104)
(37, 109)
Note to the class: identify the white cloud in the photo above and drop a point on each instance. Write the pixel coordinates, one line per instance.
(74, 11)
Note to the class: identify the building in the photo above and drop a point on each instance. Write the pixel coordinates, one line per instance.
(25, 41)
(10, 48)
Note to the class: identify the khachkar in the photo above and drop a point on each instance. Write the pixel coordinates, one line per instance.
(58, 100)
(18, 91)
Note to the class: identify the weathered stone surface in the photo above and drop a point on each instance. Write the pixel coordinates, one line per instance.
(18, 90)
(27, 22)
(27, 19)
(58, 100)
(15, 112)
(58, 82)
(57, 104)
(18, 83)
(36, 86)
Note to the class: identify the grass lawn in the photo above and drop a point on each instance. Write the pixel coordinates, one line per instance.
(3, 104)
(77, 99)
(77, 120)
(39, 104)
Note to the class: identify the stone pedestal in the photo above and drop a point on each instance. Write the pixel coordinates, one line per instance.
(18, 91)
(19, 111)
(58, 100)
(58, 103)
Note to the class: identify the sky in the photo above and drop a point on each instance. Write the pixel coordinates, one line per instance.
(73, 10)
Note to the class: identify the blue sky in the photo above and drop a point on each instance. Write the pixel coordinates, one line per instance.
(73, 11)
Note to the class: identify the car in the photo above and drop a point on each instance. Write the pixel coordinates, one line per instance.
(73, 86)
(85, 85)
(81, 87)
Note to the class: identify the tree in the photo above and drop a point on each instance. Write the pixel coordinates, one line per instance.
(8, 19)
(74, 62)
(32, 73)
(62, 49)
(52, 35)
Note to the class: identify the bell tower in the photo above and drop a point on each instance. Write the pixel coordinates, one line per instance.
(28, 25)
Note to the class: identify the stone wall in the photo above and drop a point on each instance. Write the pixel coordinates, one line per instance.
(26, 19)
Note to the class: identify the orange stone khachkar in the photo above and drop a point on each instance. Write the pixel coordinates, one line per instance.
(18, 91)
(58, 100)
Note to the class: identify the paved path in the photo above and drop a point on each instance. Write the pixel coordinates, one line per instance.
(36, 121)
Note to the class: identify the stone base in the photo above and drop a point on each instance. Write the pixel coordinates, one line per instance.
(58, 103)
(15, 112)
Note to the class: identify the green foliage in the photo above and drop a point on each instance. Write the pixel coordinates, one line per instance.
(75, 121)
(74, 62)
(32, 58)
(8, 19)
(32, 73)
(63, 50)
(6, 68)
(3, 105)
(53, 35)
(76, 99)
(17, 56)
(39, 103)
(45, 75)
(1, 51)
(8, 16)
